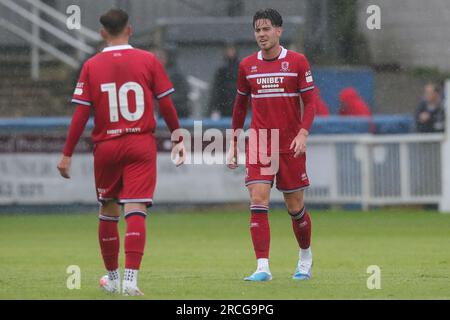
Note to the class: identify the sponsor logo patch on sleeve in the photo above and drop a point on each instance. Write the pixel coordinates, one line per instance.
(309, 77)
(79, 89)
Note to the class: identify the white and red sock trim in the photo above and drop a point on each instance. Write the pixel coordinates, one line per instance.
(135, 213)
(257, 208)
(298, 215)
(108, 218)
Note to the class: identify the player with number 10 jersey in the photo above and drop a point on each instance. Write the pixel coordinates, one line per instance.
(118, 86)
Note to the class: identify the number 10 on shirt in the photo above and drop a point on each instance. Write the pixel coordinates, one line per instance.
(121, 104)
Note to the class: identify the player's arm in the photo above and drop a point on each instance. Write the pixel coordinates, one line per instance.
(77, 125)
(309, 110)
(306, 88)
(238, 120)
(162, 89)
(239, 115)
(299, 143)
(82, 99)
(170, 116)
(169, 113)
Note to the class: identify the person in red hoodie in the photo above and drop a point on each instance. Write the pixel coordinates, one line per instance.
(322, 109)
(351, 104)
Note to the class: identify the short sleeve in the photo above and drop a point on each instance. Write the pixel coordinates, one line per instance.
(243, 87)
(305, 78)
(82, 94)
(161, 84)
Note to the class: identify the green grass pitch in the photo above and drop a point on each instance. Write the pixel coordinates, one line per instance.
(206, 255)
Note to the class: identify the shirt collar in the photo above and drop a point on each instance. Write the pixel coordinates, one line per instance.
(281, 56)
(114, 48)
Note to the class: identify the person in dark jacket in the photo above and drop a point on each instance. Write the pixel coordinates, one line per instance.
(168, 58)
(223, 90)
(430, 113)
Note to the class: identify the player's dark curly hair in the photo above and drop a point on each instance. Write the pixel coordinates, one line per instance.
(114, 21)
(270, 14)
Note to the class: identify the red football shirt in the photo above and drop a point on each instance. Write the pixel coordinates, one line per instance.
(275, 87)
(120, 85)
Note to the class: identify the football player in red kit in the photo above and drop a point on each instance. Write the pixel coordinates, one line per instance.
(118, 86)
(278, 81)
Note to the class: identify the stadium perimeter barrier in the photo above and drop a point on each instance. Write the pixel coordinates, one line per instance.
(350, 161)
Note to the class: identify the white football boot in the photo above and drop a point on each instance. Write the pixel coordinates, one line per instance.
(131, 290)
(304, 266)
(110, 286)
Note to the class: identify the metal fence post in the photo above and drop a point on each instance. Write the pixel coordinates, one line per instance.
(444, 205)
(405, 185)
(334, 192)
(366, 174)
(35, 31)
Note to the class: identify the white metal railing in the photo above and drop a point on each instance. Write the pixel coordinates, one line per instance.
(365, 170)
(42, 45)
(375, 170)
(444, 205)
(33, 16)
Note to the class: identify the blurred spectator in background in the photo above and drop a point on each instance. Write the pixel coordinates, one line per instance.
(351, 104)
(223, 90)
(430, 113)
(180, 97)
(322, 109)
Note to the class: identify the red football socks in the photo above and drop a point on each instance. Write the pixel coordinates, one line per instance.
(134, 239)
(301, 223)
(108, 235)
(260, 230)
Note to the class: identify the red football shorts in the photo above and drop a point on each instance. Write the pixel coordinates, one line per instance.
(125, 169)
(290, 172)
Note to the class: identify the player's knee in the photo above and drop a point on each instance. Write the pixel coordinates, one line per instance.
(110, 208)
(259, 194)
(295, 205)
(293, 209)
(259, 199)
(294, 202)
(130, 207)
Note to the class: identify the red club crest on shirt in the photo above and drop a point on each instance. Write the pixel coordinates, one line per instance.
(285, 66)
